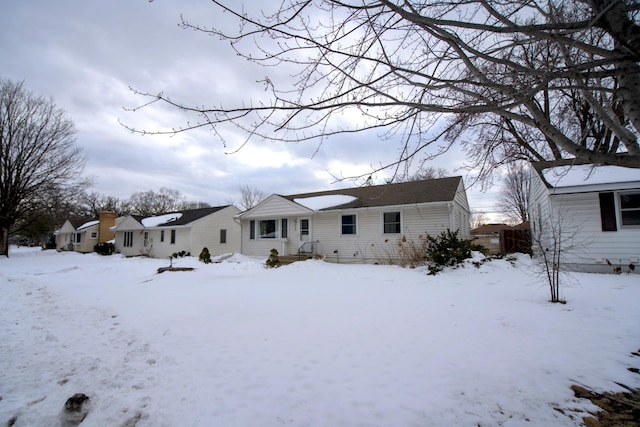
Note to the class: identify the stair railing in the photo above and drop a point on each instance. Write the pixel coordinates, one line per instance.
(307, 248)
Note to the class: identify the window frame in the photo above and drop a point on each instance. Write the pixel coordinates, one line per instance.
(128, 239)
(280, 225)
(354, 225)
(622, 210)
(306, 231)
(276, 229)
(93, 235)
(385, 223)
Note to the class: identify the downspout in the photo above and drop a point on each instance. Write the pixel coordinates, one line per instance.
(238, 221)
(451, 216)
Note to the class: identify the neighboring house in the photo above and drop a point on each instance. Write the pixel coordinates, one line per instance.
(488, 235)
(361, 224)
(593, 211)
(187, 231)
(503, 238)
(83, 236)
(66, 235)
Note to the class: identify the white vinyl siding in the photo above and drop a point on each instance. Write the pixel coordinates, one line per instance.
(190, 238)
(581, 220)
(587, 243)
(370, 244)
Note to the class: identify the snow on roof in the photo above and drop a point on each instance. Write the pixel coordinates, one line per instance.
(577, 175)
(154, 221)
(323, 202)
(88, 224)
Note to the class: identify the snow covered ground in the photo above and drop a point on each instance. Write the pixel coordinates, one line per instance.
(310, 344)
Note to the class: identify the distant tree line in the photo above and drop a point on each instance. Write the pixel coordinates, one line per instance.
(87, 205)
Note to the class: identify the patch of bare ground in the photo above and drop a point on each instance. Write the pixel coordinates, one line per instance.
(620, 409)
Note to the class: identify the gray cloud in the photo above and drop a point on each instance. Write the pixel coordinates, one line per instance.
(86, 55)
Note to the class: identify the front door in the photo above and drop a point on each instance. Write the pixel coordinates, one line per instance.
(304, 230)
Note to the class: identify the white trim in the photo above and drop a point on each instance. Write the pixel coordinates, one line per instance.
(618, 207)
(382, 212)
(356, 225)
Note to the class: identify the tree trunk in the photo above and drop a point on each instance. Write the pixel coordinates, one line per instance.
(4, 236)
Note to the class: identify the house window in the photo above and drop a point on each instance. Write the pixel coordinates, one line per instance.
(162, 235)
(146, 239)
(128, 239)
(223, 236)
(268, 229)
(630, 209)
(348, 224)
(391, 223)
(173, 236)
(284, 228)
(93, 235)
(78, 237)
(252, 230)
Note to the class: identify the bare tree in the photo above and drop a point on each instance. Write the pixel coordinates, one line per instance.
(518, 79)
(555, 241)
(514, 195)
(477, 219)
(163, 201)
(39, 160)
(92, 203)
(250, 196)
(425, 172)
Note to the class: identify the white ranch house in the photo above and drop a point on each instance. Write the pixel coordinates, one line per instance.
(186, 231)
(596, 209)
(355, 225)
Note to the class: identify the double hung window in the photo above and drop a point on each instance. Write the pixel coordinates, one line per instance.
(391, 222)
(630, 209)
(348, 224)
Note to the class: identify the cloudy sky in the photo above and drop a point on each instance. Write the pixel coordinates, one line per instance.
(87, 55)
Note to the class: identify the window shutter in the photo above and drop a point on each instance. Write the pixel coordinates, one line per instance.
(608, 212)
(252, 230)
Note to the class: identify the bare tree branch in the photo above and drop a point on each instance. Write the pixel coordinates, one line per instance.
(513, 71)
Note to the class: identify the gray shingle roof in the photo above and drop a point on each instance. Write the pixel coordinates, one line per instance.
(403, 193)
(190, 215)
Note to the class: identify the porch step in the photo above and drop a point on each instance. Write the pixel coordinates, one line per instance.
(288, 259)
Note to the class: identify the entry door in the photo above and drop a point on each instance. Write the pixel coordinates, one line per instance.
(304, 229)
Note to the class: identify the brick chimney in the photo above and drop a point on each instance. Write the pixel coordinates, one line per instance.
(107, 220)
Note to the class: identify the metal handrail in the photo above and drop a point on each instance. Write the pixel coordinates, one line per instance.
(307, 248)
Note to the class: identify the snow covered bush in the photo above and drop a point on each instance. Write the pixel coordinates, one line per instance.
(445, 250)
(205, 256)
(104, 248)
(448, 250)
(273, 260)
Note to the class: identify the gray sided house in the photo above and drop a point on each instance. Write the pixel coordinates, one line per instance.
(593, 211)
(186, 231)
(355, 225)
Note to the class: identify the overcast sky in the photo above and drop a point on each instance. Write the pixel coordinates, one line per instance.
(87, 55)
